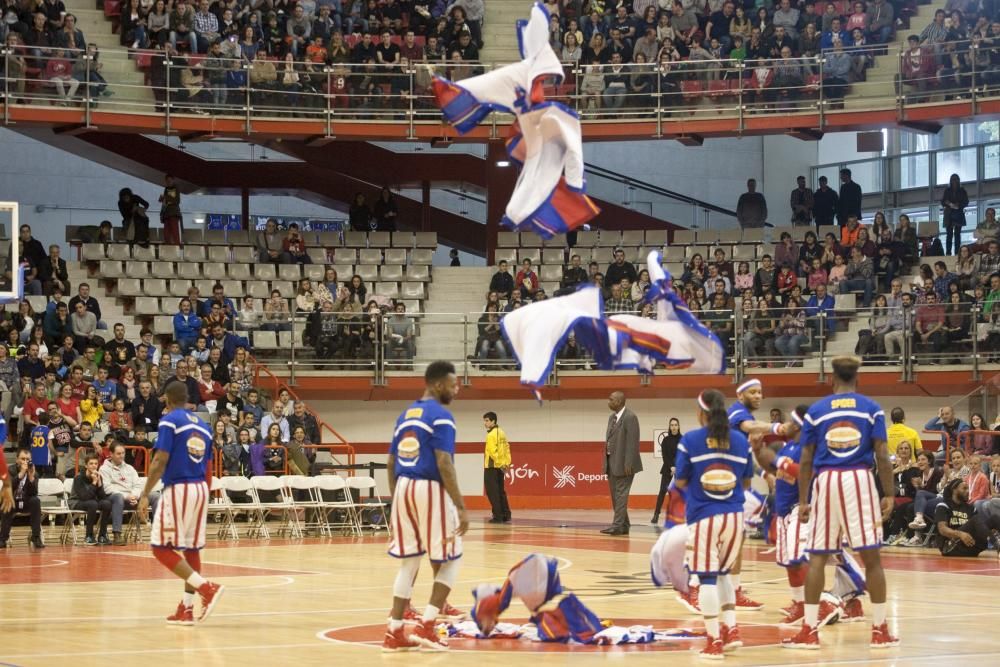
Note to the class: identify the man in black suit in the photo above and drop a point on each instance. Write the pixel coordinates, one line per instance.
(621, 460)
(849, 201)
(53, 273)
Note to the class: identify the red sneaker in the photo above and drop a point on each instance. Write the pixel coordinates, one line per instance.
(449, 613)
(398, 641)
(828, 613)
(743, 603)
(426, 636)
(731, 639)
(689, 600)
(210, 595)
(853, 612)
(411, 615)
(807, 638)
(183, 616)
(794, 613)
(881, 637)
(713, 650)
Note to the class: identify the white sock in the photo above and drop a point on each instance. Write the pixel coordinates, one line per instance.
(735, 579)
(694, 580)
(729, 617)
(195, 580)
(878, 613)
(708, 600)
(798, 593)
(712, 627)
(812, 615)
(394, 624)
(188, 599)
(430, 613)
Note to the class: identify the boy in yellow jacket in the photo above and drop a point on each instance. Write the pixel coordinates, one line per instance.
(495, 464)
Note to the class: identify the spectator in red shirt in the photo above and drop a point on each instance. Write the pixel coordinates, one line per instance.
(930, 326)
(294, 246)
(526, 280)
(59, 70)
(69, 407)
(35, 405)
(209, 390)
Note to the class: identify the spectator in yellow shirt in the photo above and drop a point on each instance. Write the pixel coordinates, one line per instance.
(900, 432)
(495, 464)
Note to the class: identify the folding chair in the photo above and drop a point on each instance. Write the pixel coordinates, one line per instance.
(333, 497)
(373, 509)
(310, 506)
(289, 517)
(223, 507)
(53, 488)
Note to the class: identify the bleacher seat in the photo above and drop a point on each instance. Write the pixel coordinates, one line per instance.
(111, 269)
(258, 289)
(345, 256)
(692, 250)
(344, 271)
(195, 253)
(505, 254)
(550, 273)
(508, 240)
(162, 270)
(418, 273)
(178, 287)
(557, 241)
(927, 229)
(314, 272)
(586, 239)
(684, 236)
(204, 287)
(379, 239)
(215, 237)
(291, 272)
(317, 255)
(265, 340)
(673, 253)
(285, 340)
(232, 289)
(218, 253)
(609, 238)
(244, 254)
(530, 240)
(92, 252)
(355, 239)
(170, 253)
(402, 240)
(422, 256)
(238, 271)
(285, 288)
(147, 254)
(119, 251)
(828, 229)
(655, 237)
(632, 238)
(163, 324)
(154, 287)
(412, 290)
(129, 287)
(368, 272)
(425, 239)
(214, 270)
(369, 256)
(776, 232)
(395, 256)
(147, 305)
(38, 303)
(746, 252)
(189, 270)
(391, 272)
(753, 235)
(552, 256)
(135, 269)
(239, 237)
(328, 239)
(193, 236)
(389, 290)
(534, 254)
(730, 236)
(265, 272)
(706, 236)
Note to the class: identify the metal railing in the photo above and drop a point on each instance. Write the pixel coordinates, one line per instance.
(671, 89)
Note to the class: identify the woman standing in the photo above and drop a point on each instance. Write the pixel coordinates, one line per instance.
(360, 216)
(170, 211)
(385, 211)
(135, 222)
(953, 203)
(668, 450)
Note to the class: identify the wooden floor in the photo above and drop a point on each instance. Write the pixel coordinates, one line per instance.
(317, 602)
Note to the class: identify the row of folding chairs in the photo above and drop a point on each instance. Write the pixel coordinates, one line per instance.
(146, 303)
(199, 254)
(322, 504)
(326, 239)
(173, 290)
(218, 272)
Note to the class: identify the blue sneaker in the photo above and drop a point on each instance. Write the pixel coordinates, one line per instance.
(90, 541)
(104, 541)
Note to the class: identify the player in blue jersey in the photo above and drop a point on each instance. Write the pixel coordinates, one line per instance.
(843, 436)
(428, 514)
(714, 465)
(42, 451)
(183, 454)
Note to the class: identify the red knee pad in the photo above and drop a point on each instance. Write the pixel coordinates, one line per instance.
(194, 560)
(168, 557)
(797, 575)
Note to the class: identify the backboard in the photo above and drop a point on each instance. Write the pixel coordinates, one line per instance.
(12, 291)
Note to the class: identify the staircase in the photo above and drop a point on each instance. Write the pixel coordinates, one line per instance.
(112, 310)
(126, 82)
(499, 32)
(458, 291)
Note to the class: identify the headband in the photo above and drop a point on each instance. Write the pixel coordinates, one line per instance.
(746, 385)
(702, 404)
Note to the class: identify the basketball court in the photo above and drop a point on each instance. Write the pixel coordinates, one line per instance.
(321, 601)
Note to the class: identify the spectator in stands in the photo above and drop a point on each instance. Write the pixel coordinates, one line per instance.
(56, 325)
(953, 203)
(881, 21)
(930, 327)
(949, 425)
(209, 390)
(759, 332)
(385, 211)
(84, 326)
(294, 246)
(899, 432)
(277, 418)
(400, 333)
(122, 486)
(89, 496)
(764, 277)
(24, 485)
(849, 200)
(618, 302)
(942, 279)
(859, 275)
(502, 282)
(751, 209)
(30, 247)
(786, 252)
(276, 314)
(86, 363)
(989, 228)
(825, 203)
(227, 343)
(526, 280)
(784, 282)
(791, 333)
(802, 203)
(92, 304)
(52, 272)
(270, 244)
(720, 318)
(360, 215)
(187, 325)
(146, 408)
(181, 376)
(619, 269)
(820, 302)
(489, 339)
(118, 350)
(301, 418)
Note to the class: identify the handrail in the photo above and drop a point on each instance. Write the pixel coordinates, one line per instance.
(655, 189)
(965, 439)
(138, 449)
(945, 437)
(261, 368)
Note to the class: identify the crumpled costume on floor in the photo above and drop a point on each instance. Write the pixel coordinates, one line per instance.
(675, 339)
(556, 616)
(545, 140)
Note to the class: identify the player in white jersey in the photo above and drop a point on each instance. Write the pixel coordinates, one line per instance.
(428, 513)
(183, 453)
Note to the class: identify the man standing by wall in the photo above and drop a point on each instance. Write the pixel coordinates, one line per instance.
(496, 464)
(621, 460)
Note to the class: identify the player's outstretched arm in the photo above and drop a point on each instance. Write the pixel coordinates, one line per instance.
(156, 468)
(450, 480)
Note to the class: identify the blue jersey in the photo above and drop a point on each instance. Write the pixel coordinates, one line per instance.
(424, 428)
(40, 454)
(738, 413)
(714, 476)
(105, 392)
(187, 439)
(786, 488)
(842, 427)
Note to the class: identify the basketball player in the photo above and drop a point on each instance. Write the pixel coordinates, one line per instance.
(843, 435)
(428, 513)
(714, 465)
(183, 452)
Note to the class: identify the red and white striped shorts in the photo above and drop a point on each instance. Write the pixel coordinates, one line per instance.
(793, 538)
(180, 517)
(714, 543)
(424, 521)
(845, 506)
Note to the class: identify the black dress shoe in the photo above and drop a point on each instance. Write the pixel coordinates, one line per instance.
(37, 543)
(655, 519)
(619, 531)
(608, 531)
(495, 520)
